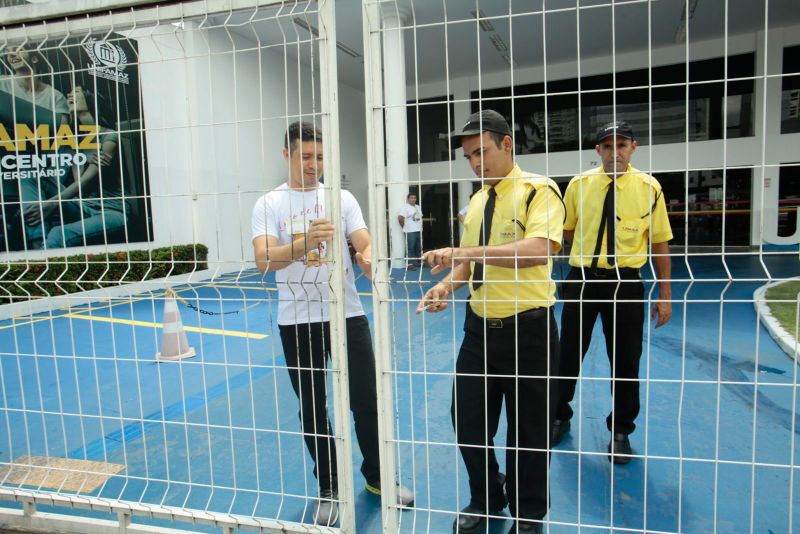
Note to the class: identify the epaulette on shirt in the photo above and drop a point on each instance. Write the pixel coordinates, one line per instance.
(537, 182)
(646, 178)
(584, 176)
(652, 182)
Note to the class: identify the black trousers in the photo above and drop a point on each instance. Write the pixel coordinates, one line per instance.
(526, 345)
(623, 335)
(307, 349)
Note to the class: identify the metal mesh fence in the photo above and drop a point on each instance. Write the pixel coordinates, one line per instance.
(469, 296)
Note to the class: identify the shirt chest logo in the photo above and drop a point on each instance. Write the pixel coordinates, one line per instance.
(508, 235)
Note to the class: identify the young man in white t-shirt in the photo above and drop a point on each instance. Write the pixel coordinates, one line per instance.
(291, 235)
(410, 218)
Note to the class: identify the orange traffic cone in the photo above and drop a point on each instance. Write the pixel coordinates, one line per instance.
(174, 345)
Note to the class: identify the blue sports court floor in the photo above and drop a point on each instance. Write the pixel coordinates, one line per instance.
(220, 431)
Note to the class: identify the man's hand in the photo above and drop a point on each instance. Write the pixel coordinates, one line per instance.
(103, 160)
(435, 299)
(440, 259)
(662, 311)
(320, 230)
(32, 215)
(365, 262)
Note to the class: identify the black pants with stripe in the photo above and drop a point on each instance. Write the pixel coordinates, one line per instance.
(510, 356)
(619, 303)
(307, 349)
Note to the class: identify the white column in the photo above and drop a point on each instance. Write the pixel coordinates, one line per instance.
(461, 110)
(767, 129)
(394, 89)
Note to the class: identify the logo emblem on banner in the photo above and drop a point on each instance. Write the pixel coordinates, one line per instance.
(108, 60)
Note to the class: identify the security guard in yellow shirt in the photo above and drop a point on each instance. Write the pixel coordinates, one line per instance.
(512, 228)
(614, 214)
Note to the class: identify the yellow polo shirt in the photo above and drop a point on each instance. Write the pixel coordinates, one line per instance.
(508, 291)
(641, 216)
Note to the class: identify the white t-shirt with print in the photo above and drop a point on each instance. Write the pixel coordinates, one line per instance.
(413, 216)
(303, 286)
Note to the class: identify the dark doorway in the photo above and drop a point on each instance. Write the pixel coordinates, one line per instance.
(439, 208)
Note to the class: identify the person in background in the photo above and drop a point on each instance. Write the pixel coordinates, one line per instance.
(615, 214)
(91, 205)
(410, 218)
(28, 97)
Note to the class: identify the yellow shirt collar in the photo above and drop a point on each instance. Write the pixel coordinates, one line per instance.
(505, 184)
(621, 181)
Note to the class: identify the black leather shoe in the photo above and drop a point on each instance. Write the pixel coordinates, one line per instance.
(560, 428)
(525, 527)
(622, 449)
(472, 520)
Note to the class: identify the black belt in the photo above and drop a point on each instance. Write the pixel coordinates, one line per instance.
(505, 322)
(623, 273)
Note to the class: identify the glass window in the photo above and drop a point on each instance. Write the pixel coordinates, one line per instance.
(642, 97)
(790, 96)
(701, 207)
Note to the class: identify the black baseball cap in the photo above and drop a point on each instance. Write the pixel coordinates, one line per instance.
(487, 120)
(620, 128)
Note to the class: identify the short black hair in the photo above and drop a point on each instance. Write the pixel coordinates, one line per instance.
(303, 131)
(103, 113)
(40, 66)
(411, 194)
(497, 138)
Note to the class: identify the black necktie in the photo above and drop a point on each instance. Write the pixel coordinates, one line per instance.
(607, 225)
(483, 238)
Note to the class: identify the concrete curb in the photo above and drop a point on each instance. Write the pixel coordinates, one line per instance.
(46, 304)
(784, 339)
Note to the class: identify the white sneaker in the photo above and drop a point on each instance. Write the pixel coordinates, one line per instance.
(405, 497)
(326, 511)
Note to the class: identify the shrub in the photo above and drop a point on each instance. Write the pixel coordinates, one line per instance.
(785, 311)
(31, 279)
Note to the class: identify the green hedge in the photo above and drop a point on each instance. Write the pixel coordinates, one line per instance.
(30, 279)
